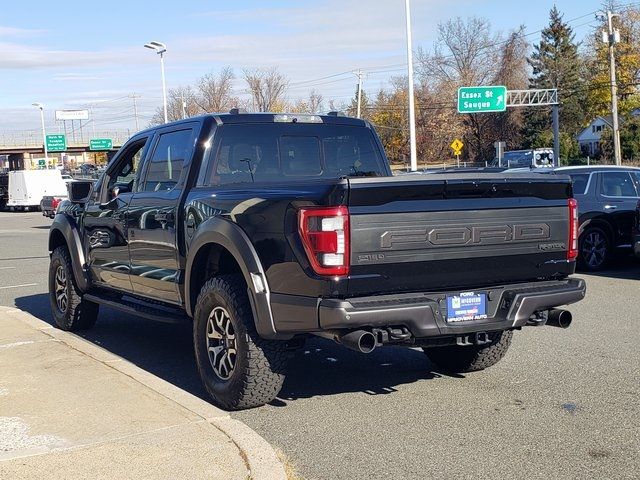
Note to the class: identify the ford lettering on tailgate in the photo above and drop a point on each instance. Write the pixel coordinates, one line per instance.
(458, 236)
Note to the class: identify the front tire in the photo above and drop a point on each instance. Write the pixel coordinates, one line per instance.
(464, 359)
(70, 311)
(238, 368)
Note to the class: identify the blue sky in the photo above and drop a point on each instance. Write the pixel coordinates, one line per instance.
(71, 54)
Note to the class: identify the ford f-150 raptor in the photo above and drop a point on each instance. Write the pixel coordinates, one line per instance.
(268, 228)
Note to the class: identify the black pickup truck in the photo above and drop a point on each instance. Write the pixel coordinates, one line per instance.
(265, 229)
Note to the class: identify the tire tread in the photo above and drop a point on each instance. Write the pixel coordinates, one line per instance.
(81, 314)
(263, 373)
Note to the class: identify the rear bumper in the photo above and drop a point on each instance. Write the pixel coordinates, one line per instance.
(424, 314)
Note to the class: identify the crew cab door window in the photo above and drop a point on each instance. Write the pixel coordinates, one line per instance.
(617, 184)
(165, 166)
(126, 169)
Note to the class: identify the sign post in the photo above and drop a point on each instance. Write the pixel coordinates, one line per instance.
(482, 99)
(456, 146)
(56, 143)
(97, 144)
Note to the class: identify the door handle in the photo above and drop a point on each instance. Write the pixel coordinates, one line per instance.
(163, 217)
(610, 207)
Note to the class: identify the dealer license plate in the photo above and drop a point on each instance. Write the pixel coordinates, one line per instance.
(466, 306)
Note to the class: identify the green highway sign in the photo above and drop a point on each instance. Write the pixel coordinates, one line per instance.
(56, 143)
(100, 144)
(482, 99)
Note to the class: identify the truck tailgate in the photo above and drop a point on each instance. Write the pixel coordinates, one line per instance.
(430, 232)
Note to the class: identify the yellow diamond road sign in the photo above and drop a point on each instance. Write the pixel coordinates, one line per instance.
(456, 146)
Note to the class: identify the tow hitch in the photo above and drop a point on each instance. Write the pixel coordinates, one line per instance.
(478, 338)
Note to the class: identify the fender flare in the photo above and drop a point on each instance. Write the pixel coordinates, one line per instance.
(68, 228)
(228, 235)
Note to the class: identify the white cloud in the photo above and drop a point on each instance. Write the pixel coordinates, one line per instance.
(75, 77)
(19, 32)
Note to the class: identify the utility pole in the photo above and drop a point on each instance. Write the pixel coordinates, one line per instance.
(135, 109)
(184, 105)
(93, 121)
(612, 36)
(359, 75)
(412, 114)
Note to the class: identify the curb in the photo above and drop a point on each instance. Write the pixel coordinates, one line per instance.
(260, 457)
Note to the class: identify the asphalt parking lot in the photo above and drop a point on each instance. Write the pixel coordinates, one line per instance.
(562, 404)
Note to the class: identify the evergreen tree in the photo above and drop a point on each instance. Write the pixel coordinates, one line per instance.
(365, 105)
(555, 63)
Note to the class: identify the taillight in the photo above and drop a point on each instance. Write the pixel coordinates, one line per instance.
(325, 236)
(572, 251)
(54, 203)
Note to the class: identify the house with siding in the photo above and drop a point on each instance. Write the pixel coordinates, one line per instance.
(589, 138)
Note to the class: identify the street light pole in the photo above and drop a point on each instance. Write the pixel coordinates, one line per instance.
(412, 115)
(160, 49)
(44, 132)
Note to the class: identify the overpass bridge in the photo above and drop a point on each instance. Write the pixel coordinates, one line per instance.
(29, 142)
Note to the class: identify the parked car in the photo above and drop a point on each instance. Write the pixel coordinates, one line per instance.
(268, 228)
(49, 204)
(607, 199)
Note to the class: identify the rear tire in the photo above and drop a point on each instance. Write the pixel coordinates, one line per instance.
(472, 358)
(70, 311)
(594, 249)
(238, 368)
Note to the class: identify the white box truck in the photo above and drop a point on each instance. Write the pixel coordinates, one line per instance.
(27, 187)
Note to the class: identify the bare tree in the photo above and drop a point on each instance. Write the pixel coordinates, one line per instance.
(215, 93)
(267, 88)
(312, 104)
(464, 53)
(469, 53)
(175, 99)
(315, 101)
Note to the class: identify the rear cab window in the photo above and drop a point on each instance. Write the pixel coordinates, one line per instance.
(269, 153)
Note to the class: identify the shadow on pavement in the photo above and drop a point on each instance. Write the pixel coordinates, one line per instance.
(621, 266)
(320, 368)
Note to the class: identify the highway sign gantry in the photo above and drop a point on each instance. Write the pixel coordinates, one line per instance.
(482, 99)
(100, 144)
(56, 143)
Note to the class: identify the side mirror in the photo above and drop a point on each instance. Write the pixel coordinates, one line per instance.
(79, 191)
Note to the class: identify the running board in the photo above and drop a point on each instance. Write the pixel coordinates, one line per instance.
(159, 314)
